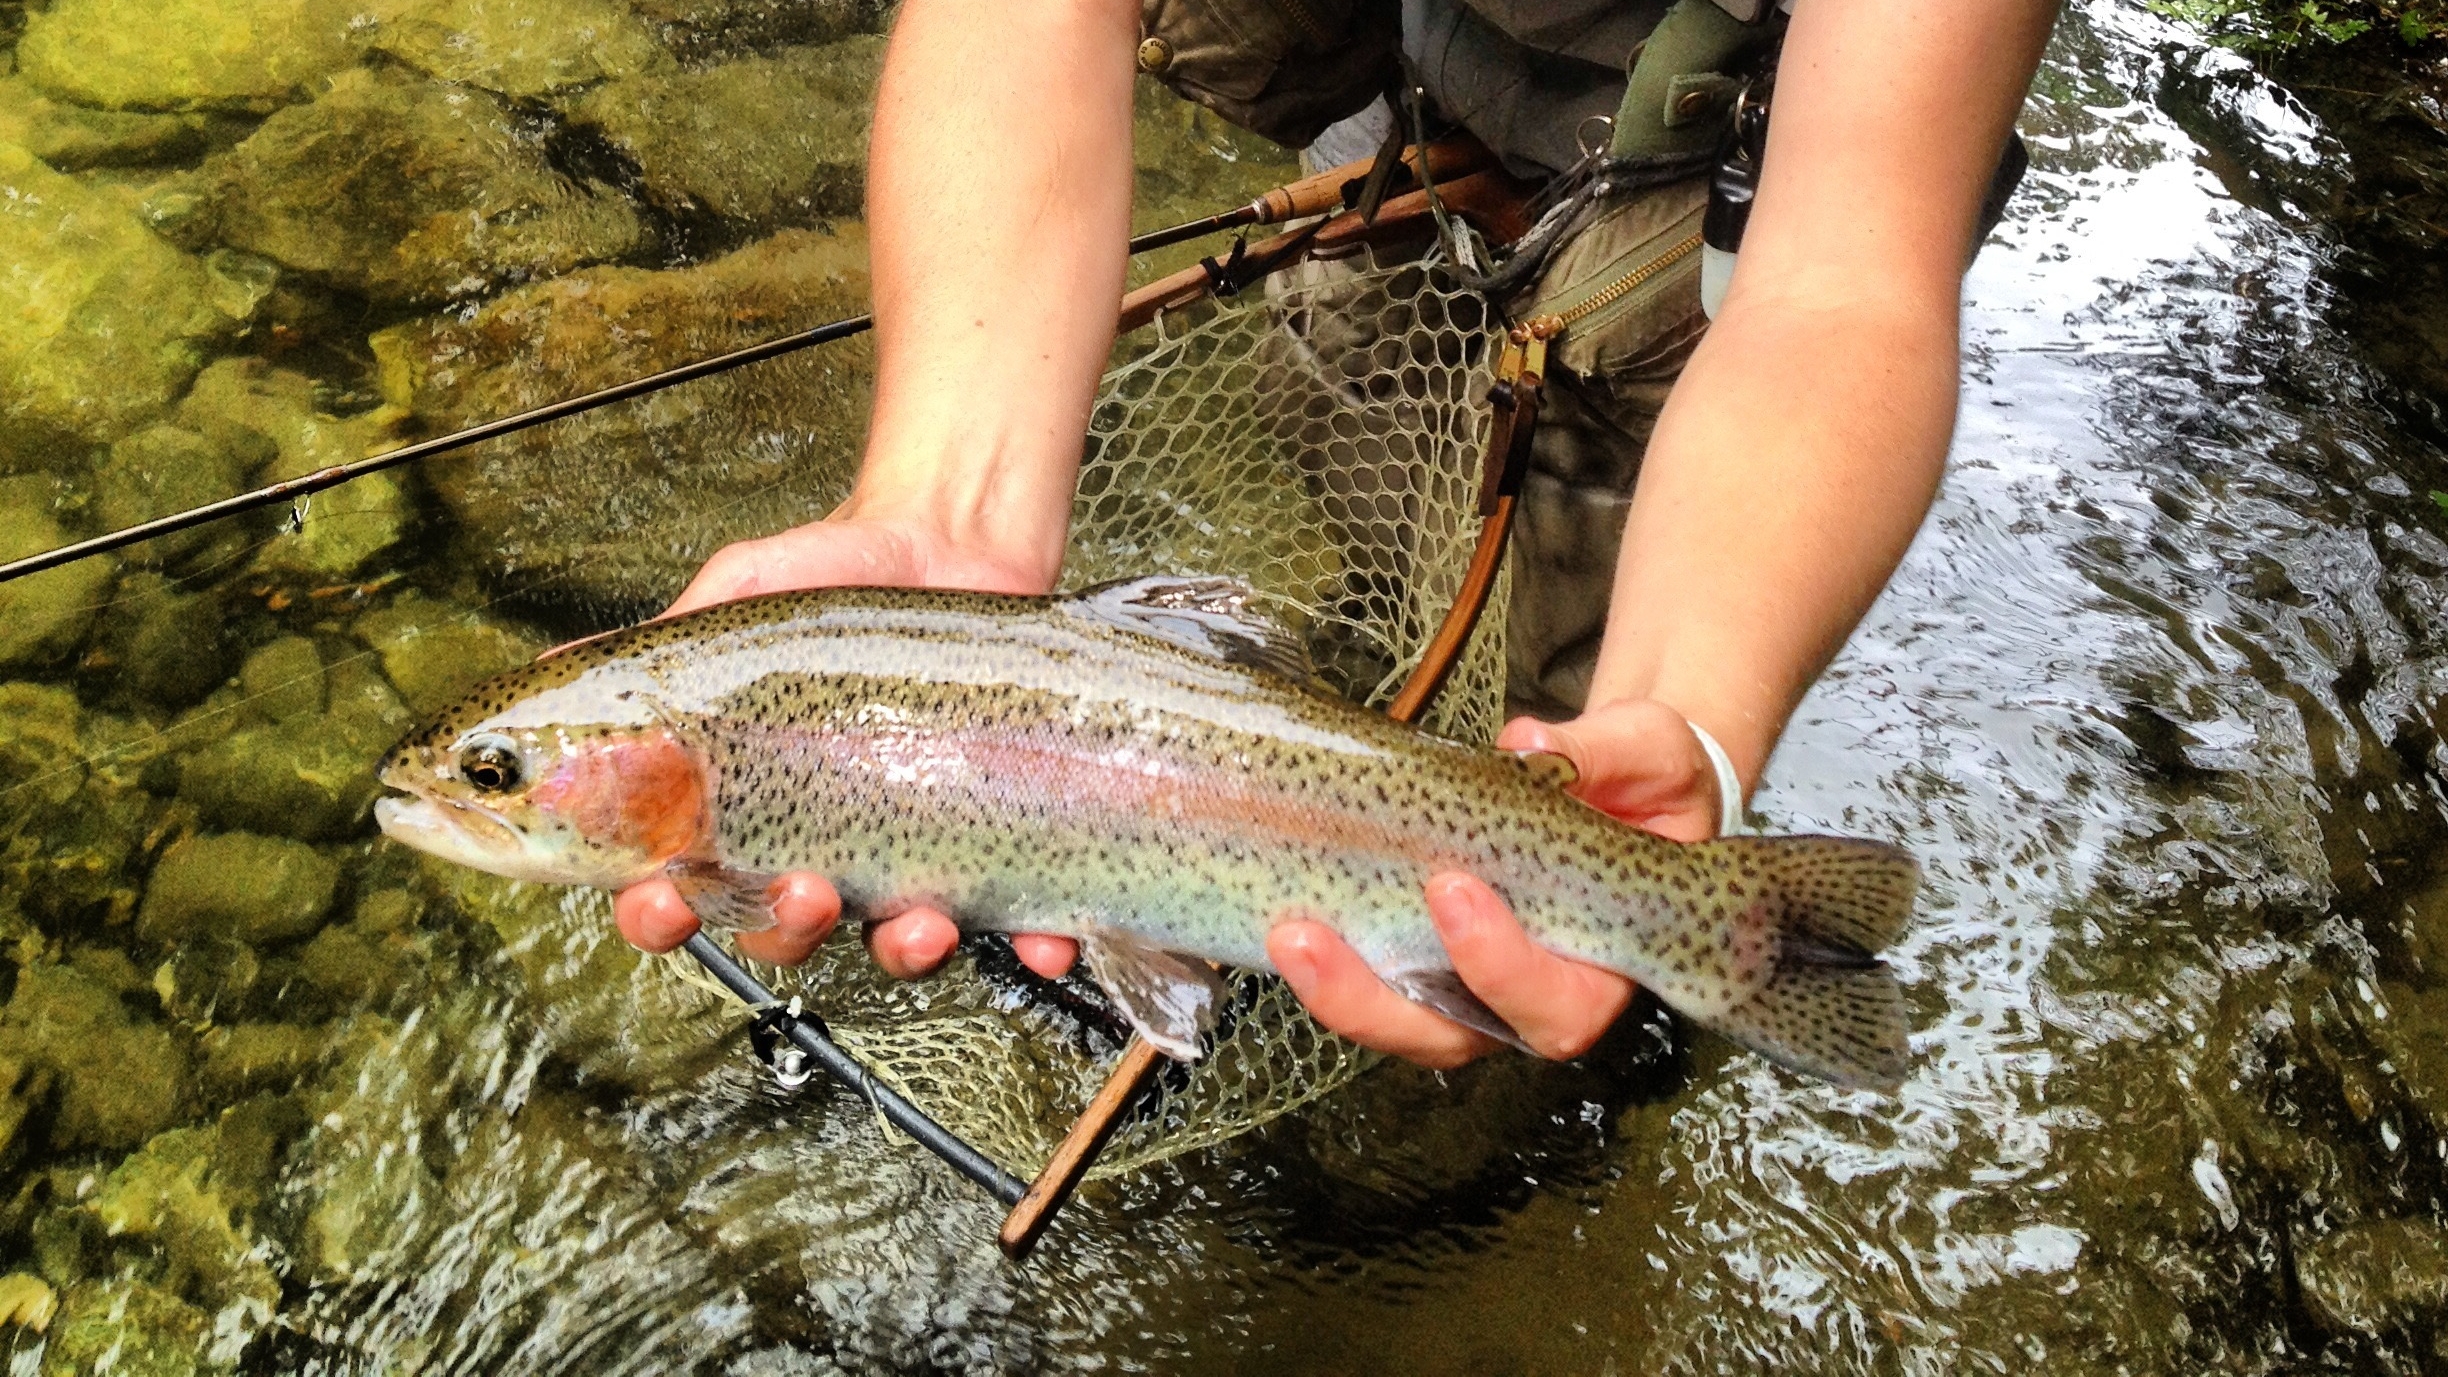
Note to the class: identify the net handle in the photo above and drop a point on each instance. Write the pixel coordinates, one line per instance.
(1490, 202)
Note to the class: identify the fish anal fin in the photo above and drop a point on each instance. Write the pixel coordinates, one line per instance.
(1443, 992)
(731, 900)
(1212, 616)
(1169, 999)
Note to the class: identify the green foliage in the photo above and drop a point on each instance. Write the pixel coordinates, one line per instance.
(2272, 26)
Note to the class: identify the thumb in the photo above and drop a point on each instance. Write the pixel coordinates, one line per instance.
(1637, 759)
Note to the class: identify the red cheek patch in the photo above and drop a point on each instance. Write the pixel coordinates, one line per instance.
(638, 792)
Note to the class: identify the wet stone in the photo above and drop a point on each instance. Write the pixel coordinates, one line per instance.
(185, 54)
(245, 1058)
(160, 642)
(405, 191)
(283, 680)
(311, 778)
(165, 1198)
(615, 510)
(43, 617)
(162, 470)
(704, 31)
(102, 321)
(521, 48)
(128, 1328)
(208, 976)
(73, 138)
(2369, 1278)
(120, 1080)
(434, 651)
(252, 889)
(765, 141)
(75, 815)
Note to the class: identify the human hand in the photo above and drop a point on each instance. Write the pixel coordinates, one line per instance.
(1639, 761)
(844, 549)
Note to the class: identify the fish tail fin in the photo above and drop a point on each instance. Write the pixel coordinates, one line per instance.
(1826, 1004)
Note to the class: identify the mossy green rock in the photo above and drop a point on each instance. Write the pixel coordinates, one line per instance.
(73, 138)
(127, 1328)
(616, 510)
(765, 141)
(167, 1195)
(245, 1058)
(234, 884)
(311, 778)
(120, 1080)
(185, 54)
(283, 680)
(405, 191)
(434, 651)
(161, 642)
(102, 321)
(521, 48)
(75, 815)
(161, 470)
(2368, 1278)
(43, 617)
(707, 31)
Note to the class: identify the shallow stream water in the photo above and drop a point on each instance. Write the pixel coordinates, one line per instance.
(2156, 698)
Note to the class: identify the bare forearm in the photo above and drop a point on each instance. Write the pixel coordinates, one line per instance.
(999, 205)
(1780, 490)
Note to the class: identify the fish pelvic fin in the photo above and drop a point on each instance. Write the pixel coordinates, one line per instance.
(1826, 1004)
(1169, 999)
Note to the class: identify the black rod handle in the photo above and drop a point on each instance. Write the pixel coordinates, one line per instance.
(843, 1067)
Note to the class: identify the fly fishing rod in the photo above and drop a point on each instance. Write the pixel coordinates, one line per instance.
(1313, 195)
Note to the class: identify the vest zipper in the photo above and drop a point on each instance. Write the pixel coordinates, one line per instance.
(1305, 19)
(1554, 323)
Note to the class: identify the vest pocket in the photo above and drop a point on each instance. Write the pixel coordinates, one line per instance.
(1284, 69)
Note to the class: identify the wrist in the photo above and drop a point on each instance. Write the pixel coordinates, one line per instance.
(958, 533)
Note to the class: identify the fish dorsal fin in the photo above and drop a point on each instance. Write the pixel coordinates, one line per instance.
(1171, 1000)
(1546, 767)
(1213, 616)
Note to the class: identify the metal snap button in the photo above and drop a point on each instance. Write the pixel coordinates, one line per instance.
(1155, 55)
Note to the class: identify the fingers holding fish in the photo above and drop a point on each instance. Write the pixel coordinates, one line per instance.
(1637, 759)
(1559, 1007)
(805, 908)
(653, 917)
(1048, 956)
(1344, 994)
(912, 944)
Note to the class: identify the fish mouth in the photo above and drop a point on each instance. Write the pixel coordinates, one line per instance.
(455, 829)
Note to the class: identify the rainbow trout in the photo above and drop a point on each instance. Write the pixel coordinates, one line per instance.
(1144, 766)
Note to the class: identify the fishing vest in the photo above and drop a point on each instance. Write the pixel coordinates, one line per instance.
(1525, 76)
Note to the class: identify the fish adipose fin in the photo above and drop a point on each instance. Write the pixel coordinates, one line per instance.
(1211, 616)
(1444, 992)
(1829, 1007)
(1169, 999)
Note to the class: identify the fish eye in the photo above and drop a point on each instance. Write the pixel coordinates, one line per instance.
(490, 763)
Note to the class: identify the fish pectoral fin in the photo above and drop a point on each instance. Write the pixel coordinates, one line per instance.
(1546, 767)
(732, 900)
(1211, 616)
(1169, 999)
(1444, 992)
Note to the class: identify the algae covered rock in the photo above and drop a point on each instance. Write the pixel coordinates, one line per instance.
(43, 617)
(703, 31)
(521, 48)
(619, 507)
(166, 1194)
(403, 190)
(163, 644)
(75, 816)
(433, 651)
(102, 321)
(283, 680)
(73, 138)
(765, 141)
(161, 470)
(2368, 1278)
(120, 1080)
(185, 54)
(255, 889)
(305, 777)
(245, 1058)
(128, 1328)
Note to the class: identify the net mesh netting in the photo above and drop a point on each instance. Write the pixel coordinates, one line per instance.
(1321, 438)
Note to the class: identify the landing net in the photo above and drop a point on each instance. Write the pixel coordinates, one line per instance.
(1321, 438)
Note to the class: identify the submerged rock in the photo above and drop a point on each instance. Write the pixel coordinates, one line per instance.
(245, 1058)
(433, 651)
(304, 777)
(764, 141)
(702, 31)
(73, 138)
(162, 644)
(283, 680)
(330, 535)
(254, 889)
(618, 508)
(2369, 1278)
(120, 1079)
(185, 54)
(102, 321)
(521, 48)
(75, 816)
(44, 616)
(128, 1328)
(166, 1194)
(164, 469)
(403, 190)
